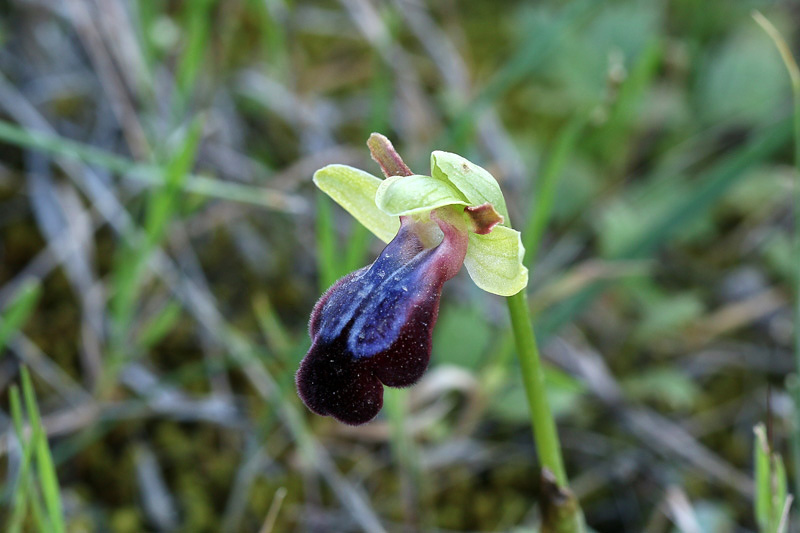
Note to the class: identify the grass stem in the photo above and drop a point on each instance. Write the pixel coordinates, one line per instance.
(794, 75)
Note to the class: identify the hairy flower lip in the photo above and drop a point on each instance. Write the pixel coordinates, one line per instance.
(373, 327)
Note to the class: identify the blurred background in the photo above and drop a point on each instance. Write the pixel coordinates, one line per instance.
(162, 245)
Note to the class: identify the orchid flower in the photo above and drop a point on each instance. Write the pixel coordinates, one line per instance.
(374, 326)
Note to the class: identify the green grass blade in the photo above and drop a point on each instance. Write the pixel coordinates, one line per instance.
(38, 512)
(277, 336)
(146, 13)
(19, 489)
(329, 270)
(635, 86)
(15, 406)
(546, 186)
(129, 266)
(771, 497)
(355, 255)
(164, 200)
(19, 310)
(157, 327)
(710, 186)
(148, 174)
(134, 255)
(381, 94)
(48, 481)
(763, 496)
(274, 35)
(780, 492)
(529, 55)
(405, 451)
(197, 17)
(613, 139)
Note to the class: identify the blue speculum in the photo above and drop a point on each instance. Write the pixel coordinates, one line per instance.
(373, 327)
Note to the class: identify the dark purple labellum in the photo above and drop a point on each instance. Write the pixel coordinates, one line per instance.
(374, 326)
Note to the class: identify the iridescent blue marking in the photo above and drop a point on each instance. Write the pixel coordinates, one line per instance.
(358, 294)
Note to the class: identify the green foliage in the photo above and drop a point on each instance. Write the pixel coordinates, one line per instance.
(544, 198)
(772, 499)
(159, 325)
(148, 174)
(37, 481)
(18, 310)
(666, 385)
(618, 33)
(563, 394)
(665, 314)
(131, 266)
(329, 269)
(456, 345)
(741, 81)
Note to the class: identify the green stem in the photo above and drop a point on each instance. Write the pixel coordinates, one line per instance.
(795, 388)
(404, 449)
(794, 76)
(544, 426)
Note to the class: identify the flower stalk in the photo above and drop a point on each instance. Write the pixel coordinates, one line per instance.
(542, 421)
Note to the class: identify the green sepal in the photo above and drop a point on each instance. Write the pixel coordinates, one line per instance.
(494, 261)
(355, 191)
(407, 195)
(476, 184)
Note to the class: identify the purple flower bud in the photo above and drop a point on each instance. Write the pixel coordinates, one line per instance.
(373, 327)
